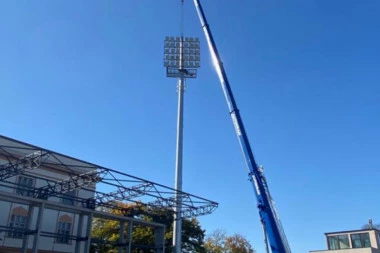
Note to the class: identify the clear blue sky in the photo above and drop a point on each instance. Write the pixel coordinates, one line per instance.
(85, 78)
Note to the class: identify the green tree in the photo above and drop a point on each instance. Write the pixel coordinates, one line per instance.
(108, 230)
(220, 242)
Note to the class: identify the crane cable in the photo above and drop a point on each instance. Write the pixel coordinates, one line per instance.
(182, 18)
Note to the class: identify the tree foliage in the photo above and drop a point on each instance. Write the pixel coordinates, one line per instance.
(215, 242)
(220, 242)
(237, 243)
(108, 230)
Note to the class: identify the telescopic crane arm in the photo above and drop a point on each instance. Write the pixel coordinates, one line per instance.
(268, 215)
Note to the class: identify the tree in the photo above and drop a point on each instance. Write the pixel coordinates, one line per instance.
(219, 242)
(238, 244)
(215, 242)
(192, 236)
(108, 231)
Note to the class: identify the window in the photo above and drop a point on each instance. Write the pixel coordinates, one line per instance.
(24, 186)
(338, 242)
(18, 222)
(360, 240)
(64, 229)
(68, 198)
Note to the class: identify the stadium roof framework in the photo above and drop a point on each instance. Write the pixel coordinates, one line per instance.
(22, 158)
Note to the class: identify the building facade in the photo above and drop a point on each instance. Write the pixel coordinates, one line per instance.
(57, 227)
(354, 241)
(48, 202)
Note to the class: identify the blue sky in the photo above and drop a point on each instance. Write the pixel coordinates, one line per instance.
(85, 78)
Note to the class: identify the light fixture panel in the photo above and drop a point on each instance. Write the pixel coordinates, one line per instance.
(190, 49)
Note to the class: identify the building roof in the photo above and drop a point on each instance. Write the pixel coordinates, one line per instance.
(352, 231)
(11, 148)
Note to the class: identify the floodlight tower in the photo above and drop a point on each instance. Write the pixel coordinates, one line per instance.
(181, 59)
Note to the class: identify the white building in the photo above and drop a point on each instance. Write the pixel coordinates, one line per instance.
(48, 202)
(354, 241)
(57, 226)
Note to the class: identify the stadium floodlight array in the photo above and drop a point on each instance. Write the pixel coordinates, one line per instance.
(181, 56)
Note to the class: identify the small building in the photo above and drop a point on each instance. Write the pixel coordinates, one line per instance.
(353, 241)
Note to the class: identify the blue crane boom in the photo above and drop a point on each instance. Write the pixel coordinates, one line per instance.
(268, 214)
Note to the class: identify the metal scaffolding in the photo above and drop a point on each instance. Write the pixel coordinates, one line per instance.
(85, 214)
(77, 174)
(107, 187)
(31, 161)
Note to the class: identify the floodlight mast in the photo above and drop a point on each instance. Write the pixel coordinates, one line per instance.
(181, 59)
(179, 148)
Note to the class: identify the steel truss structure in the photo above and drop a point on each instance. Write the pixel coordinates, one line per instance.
(85, 214)
(120, 187)
(30, 161)
(107, 187)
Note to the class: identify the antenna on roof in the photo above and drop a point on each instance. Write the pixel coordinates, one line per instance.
(370, 225)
